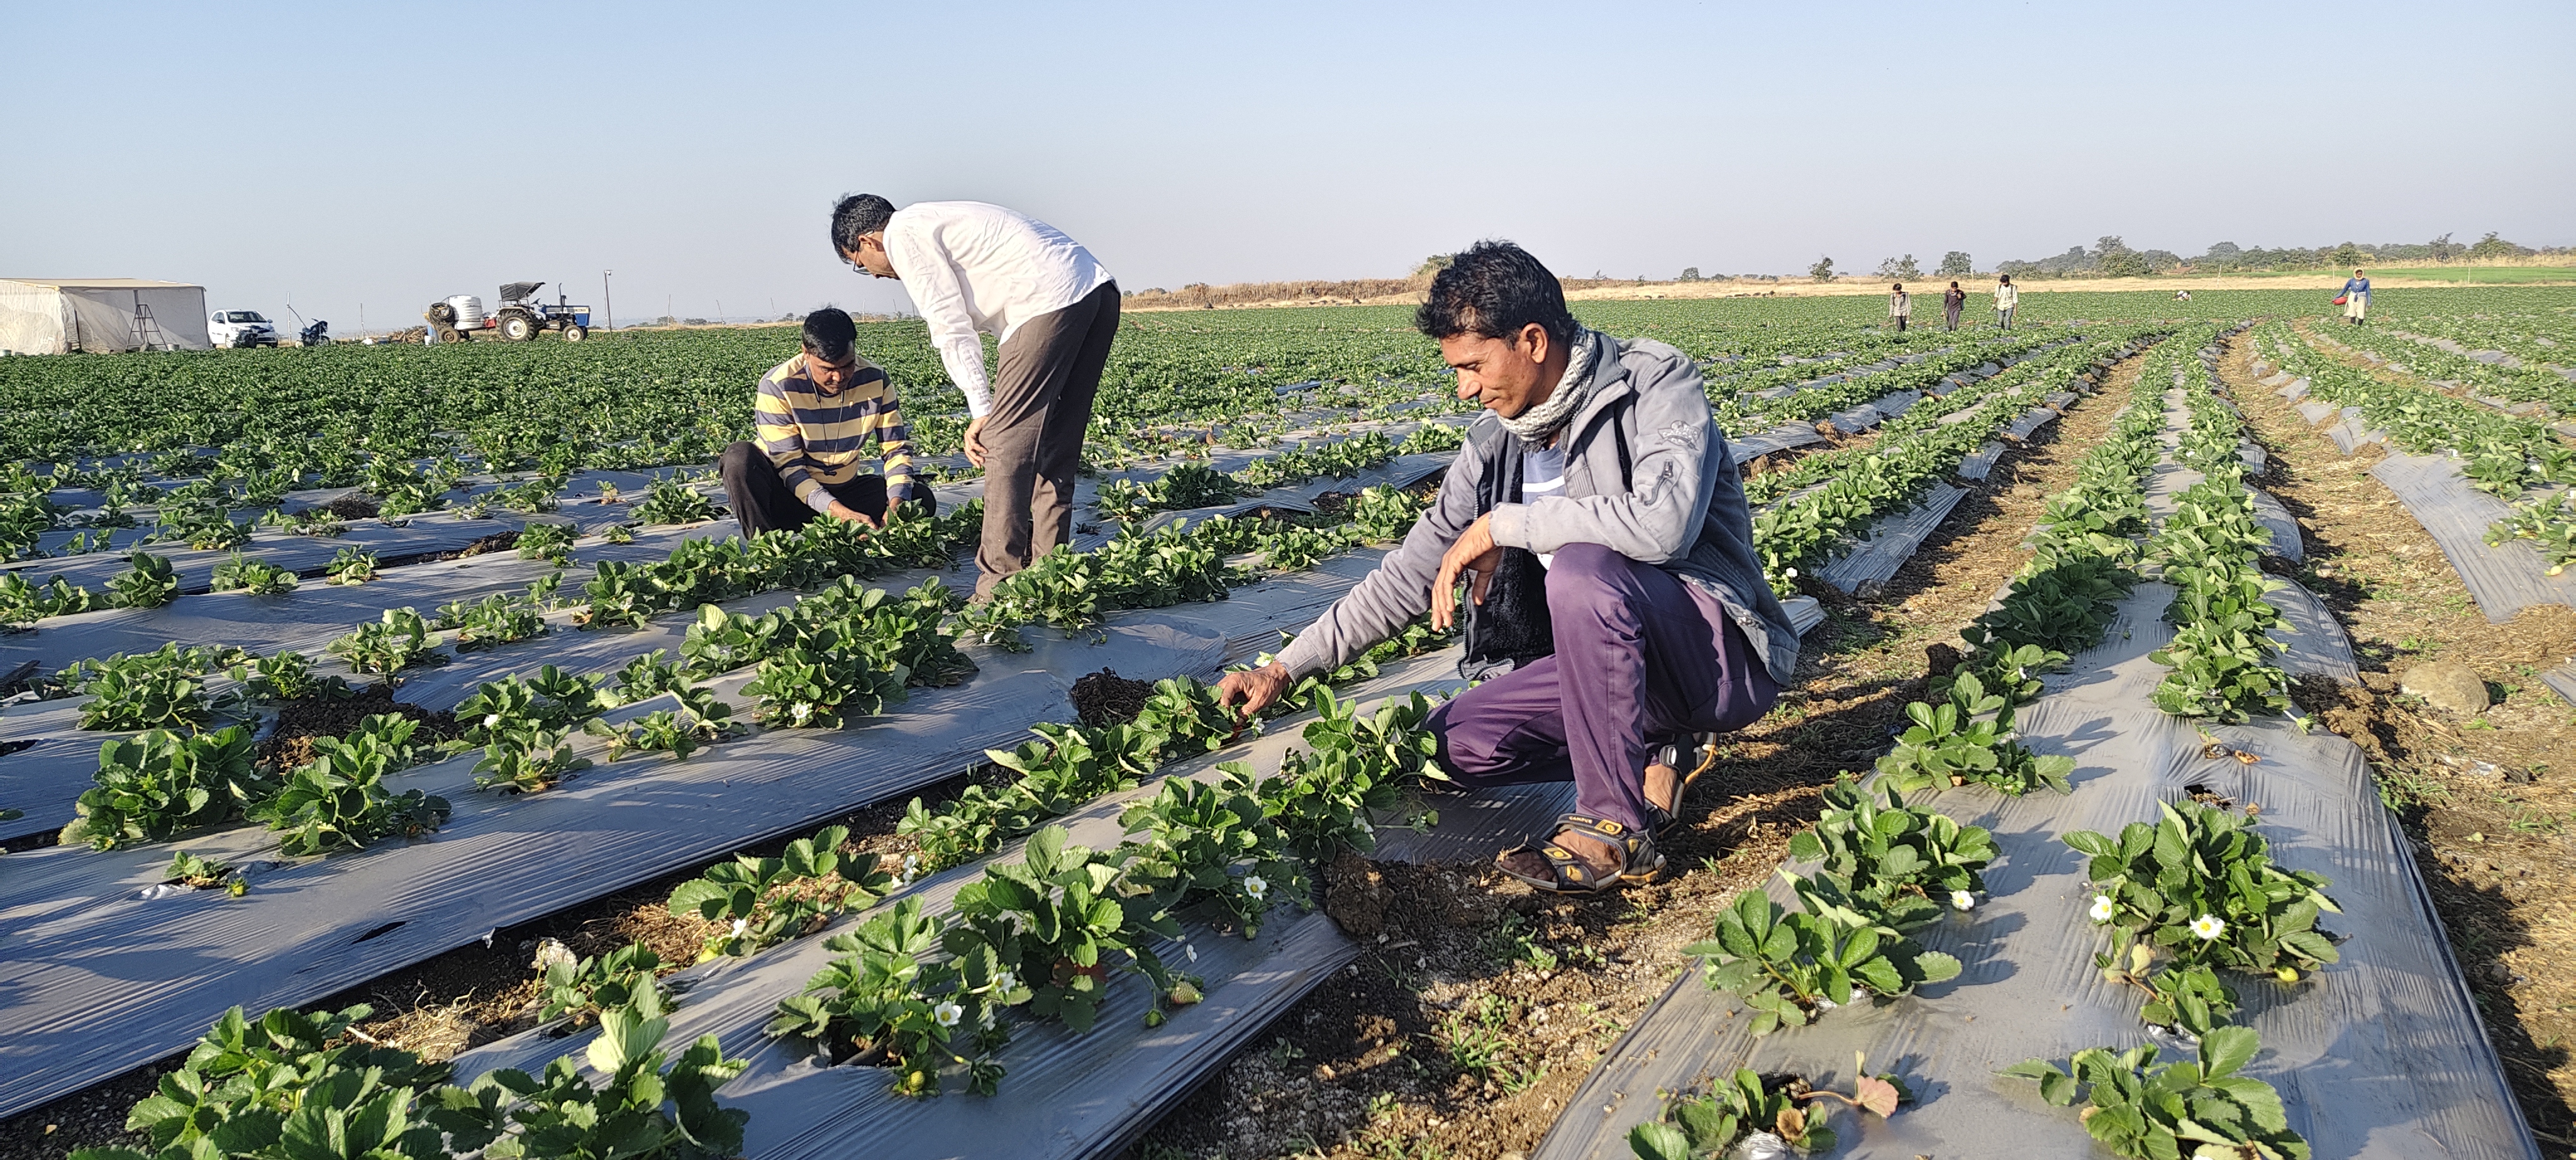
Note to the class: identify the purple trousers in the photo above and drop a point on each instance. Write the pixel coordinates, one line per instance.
(1641, 658)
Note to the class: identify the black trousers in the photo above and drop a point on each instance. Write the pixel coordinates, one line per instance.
(763, 502)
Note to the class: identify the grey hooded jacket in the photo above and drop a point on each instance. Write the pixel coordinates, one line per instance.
(1685, 512)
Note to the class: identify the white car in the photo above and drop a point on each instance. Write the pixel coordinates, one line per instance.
(240, 328)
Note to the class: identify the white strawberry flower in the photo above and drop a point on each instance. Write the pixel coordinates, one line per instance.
(947, 1014)
(2102, 908)
(492, 721)
(1791, 573)
(1005, 981)
(1962, 900)
(1254, 887)
(740, 925)
(2208, 926)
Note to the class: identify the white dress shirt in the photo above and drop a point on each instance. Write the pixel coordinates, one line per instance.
(973, 269)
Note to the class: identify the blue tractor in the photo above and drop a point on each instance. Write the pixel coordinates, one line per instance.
(520, 316)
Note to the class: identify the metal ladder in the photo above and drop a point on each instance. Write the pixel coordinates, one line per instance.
(147, 330)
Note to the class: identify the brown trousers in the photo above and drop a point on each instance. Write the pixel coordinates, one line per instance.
(1042, 392)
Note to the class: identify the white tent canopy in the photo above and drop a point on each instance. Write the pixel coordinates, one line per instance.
(56, 315)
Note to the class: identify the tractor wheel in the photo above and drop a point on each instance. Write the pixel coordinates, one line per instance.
(442, 312)
(517, 328)
(576, 333)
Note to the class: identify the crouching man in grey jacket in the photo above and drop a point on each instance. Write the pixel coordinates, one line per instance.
(1614, 477)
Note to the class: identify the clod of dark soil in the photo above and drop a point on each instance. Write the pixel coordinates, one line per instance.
(1104, 698)
(354, 506)
(1356, 896)
(299, 722)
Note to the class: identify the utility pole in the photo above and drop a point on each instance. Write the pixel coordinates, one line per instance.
(607, 305)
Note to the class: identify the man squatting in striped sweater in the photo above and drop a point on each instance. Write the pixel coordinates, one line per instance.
(814, 415)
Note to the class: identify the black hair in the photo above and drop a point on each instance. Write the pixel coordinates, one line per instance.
(857, 215)
(1495, 289)
(829, 335)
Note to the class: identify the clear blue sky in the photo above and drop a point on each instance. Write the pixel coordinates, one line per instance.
(392, 154)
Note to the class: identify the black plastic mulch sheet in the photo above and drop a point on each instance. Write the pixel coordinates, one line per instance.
(2504, 579)
(1064, 1095)
(318, 611)
(2379, 1056)
(105, 974)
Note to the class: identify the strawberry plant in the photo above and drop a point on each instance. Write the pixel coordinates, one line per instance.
(700, 719)
(1952, 744)
(351, 566)
(154, 690)
(533, 497)
(646, 1105)
(196, 873)
(2200, 887)
(2143, 1109)
(2185, 1001)
(339, 800)
(527, 762)
(1069, 765)
(499, 619)
(649, 675)
(2548, 523)
(824, 687)
(550, 542)
(147, 582)
(1205, 845)
(2220, 652)
(623, 979)
(892, 1000)
(764, 901)
(287, 676)
(253, 577)
(23, 602)
(516, 706)
(316, 521)
(616, 595)
(1899, 864)
(161, 784)
(247, 1089)
(1786, 966)
(1321, 797)
(399, 639)
(673, 503)
(1746, 1107)
(1056, 921)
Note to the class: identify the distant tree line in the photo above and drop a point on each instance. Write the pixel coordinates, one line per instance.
(2112, 258)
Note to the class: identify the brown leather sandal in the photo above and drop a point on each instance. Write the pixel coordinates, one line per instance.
(1666, 822)
(1568, 874)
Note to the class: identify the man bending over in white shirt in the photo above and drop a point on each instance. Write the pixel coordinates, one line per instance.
(974, 269)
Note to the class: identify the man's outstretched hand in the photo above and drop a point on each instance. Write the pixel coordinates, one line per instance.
(847, 514)
(1474, 552)
(1254, 689)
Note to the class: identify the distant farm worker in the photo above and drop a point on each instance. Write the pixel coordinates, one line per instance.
(815, 415)
(1594, 470)
(975, 269)
(2182, 295)
(2007, 298)
(2356, 297)
(1953, 300)
(1900, 305)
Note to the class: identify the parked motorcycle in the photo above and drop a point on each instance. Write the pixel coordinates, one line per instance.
(318, 334)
